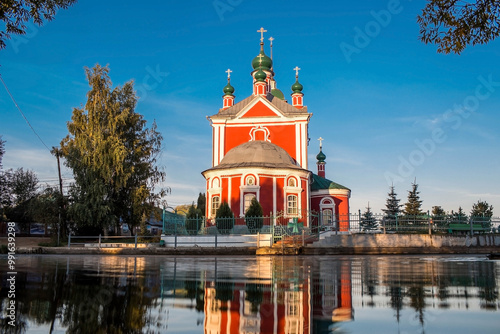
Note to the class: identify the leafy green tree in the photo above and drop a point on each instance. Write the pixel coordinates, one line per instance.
(368, 221)
(459, 217)
(22, 187)
(4, 188)
(439, 216)
(254, 215)
(438, 211)
(15, 14)
(453, 25)
(392, 206)
(481, 213)
(113, 156)
(2, 150)
(201, 203)
(224, 218)
(194, 219)
(45, 208)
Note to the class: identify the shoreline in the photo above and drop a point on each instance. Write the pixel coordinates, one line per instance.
(253, 251)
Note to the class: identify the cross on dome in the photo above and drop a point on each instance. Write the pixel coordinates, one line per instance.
(320, 143)
(296, 69)
(260, 56)
(262, 31)
(271, 45)
(229, 73)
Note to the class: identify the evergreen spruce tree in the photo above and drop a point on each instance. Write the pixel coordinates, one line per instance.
(459, 217)
(253, 216)
(201, 204)
(224, 218)
(368, 221)
(413, 207)
(393, 208)
(193, 220)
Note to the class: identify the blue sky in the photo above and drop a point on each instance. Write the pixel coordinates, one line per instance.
(390, 108)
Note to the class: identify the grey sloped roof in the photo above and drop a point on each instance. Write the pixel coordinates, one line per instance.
(285, 108)
(257, 153)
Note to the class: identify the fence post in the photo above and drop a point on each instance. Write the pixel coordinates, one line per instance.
(69, 240)
(216, 239)
(471, 226)
(359, 219)
(135, 240)
(258, 239)
(271, 222)
(429, 220)
(303, 238)
(99, 241)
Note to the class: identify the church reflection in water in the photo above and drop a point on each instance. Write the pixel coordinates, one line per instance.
(216, 295)
(271, 295)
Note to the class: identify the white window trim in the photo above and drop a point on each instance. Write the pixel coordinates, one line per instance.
(328, 203)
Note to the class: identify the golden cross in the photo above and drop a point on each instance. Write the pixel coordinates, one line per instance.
(296, 69)
(320, 143)
(262, 31)
(228, 73)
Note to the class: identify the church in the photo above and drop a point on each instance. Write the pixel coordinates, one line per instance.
(260, 149)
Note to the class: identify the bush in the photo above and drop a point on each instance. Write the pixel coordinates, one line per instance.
(254, 215)
(224, 218)
(193, 220)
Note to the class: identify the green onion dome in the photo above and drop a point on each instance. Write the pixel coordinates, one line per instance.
(260, 75)
(278, 93)
(297, 87)
(321, 156)
(266, 62)
(228, 89)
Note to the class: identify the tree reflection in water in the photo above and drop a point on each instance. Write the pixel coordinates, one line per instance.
(120, 294)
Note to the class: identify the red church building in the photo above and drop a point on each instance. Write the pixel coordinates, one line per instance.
(260, 149)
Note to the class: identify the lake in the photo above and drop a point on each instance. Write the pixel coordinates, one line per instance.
(303, 294)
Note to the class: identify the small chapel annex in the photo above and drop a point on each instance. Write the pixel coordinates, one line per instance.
(260, 149)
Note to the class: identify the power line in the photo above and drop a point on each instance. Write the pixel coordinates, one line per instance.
(18, 108)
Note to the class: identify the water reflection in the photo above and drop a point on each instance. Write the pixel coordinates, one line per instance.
(153, 294)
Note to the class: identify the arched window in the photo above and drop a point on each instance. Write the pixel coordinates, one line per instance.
(248, 199)
(215, 204)
(327, 217)
(291, 207)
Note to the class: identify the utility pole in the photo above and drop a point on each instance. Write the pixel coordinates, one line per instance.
(57, 152)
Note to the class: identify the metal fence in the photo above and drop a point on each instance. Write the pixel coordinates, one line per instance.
(101, 241)
(430, 224)
(281, 225)
(302, 229)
